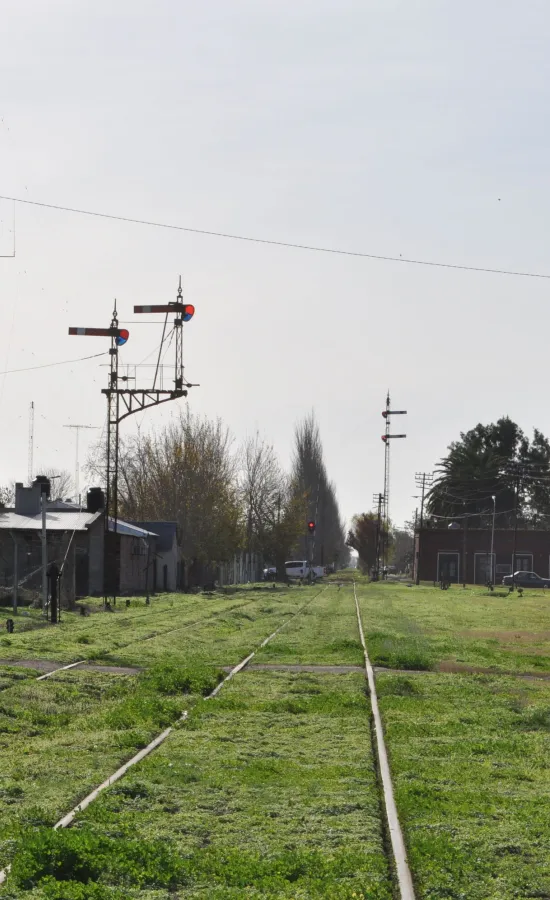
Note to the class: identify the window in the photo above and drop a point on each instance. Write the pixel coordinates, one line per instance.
(524, 562)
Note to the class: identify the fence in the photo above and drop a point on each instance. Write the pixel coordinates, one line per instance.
(244, 568)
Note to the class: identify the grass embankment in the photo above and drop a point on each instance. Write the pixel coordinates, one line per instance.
(469, 758)
(426, 628)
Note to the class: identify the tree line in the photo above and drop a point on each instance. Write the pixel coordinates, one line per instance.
(225, 498)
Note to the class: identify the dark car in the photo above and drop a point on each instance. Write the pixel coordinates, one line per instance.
(527, 580)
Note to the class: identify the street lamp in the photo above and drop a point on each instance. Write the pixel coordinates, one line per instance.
(494, 499)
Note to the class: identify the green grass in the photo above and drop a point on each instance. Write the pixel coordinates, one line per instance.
(469, 758)
(141, 634)
(325, 634)
(424, 627)
(269, 791)
(61, 737)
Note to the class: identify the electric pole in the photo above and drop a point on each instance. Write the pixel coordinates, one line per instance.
(387, 437)
(379, 499)
(77, 429)
(422, 480)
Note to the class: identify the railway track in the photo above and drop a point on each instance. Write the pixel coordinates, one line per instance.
(69, 817)
(395, 847)
(149, 637)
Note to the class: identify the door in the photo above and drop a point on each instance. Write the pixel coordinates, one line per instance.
(482, 568)
(447, 567)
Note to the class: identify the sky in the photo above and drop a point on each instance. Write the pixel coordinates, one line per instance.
(414, 130)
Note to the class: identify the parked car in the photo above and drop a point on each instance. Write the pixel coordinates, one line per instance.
(527, 580)
(299, 568)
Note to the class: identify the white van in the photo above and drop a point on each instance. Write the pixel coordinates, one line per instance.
(299, 568)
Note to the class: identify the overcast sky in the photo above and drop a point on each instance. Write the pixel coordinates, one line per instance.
(415, 129)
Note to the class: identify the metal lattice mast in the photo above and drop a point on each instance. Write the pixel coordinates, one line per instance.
(123, 402)
(178, 332)
(31, 443)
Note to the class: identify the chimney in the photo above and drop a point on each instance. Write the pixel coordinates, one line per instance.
(27, 499)
(95, 500)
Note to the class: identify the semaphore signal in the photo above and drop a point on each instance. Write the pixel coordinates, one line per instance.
(123, 401)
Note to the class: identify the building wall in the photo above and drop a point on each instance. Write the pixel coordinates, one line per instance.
(169, 559)
(95, 539)
(434, 548)
(133, 563)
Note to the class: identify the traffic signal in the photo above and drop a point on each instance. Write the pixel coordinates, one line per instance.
(311, 526)
(188, 312)
(385, 414)
(384, 437)
(122, 336)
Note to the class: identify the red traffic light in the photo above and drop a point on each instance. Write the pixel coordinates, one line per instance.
(384, 438)
(188, 312)
(311, 526)
(385, 414)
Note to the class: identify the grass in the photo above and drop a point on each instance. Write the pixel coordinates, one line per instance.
(61, 737)
(269, 791)
(324, 634)
(425, 628)
(469, 757)
(144, 634)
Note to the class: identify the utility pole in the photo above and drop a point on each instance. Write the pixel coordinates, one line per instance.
(77, 429)
(465, 546)
(387, 437)
(422, 480)
(516, 496)
(379, 499)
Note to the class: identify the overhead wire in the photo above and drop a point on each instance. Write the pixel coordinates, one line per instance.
(275, 243)
(61, 362)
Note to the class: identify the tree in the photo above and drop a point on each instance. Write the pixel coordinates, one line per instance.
(185, 473)
(310, 479)
(61, 483)
(7, 495)
(275, 511)
(402, 549)
(486, 462)
(363, 537)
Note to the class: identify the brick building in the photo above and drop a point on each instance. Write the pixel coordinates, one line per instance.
(451, 553)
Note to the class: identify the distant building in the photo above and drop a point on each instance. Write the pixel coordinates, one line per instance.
(450, 554)
(166, 575)
(75, 538)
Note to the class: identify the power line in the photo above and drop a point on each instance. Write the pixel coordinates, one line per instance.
(61, 362)
(273, 243)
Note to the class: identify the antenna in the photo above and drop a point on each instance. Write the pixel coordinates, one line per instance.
(77, 429)
(31, 442)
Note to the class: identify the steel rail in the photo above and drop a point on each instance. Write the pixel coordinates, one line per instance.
(404, 877)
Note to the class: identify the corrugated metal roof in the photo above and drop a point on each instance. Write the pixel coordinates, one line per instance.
(131, 530)
(55, 521)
